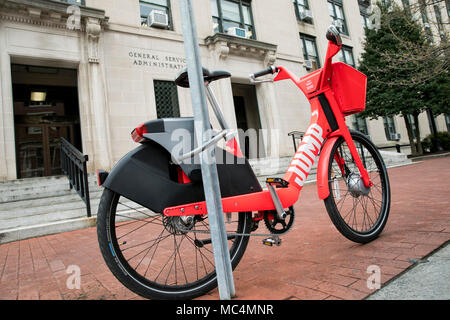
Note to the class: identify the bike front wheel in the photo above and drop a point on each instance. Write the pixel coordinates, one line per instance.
(162, 257)
(359, 213)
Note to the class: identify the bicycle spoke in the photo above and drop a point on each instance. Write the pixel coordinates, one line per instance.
(360, 211)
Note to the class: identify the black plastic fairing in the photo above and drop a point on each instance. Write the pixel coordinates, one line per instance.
(145, 176)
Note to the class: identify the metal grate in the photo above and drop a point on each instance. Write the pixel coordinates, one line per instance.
(166, 99)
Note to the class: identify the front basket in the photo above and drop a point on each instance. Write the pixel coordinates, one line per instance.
(349, 87)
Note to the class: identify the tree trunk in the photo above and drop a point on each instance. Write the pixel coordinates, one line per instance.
(410, 135)
(419, 142)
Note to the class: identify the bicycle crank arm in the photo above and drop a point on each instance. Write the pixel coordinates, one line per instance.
(200, 243)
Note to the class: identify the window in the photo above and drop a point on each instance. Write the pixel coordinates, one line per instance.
(363, 8)
(300, 7)
(437, 13)
(147, 6)
(407, 6)
(426, 23)
(360, 124)
(413, 125)
(166, 98)
(310, 50)
(232, 13)
(431, 121)
(346, 56)
(389, 128)
(336, 10)
(364, 20)
(447, 122)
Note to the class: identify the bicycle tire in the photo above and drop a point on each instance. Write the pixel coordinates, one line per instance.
(113, 253)
(380, 205)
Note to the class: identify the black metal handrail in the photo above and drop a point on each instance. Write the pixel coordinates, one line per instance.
(397, 146)
(73, 165)
(296, 135)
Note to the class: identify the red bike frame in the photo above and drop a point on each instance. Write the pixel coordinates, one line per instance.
(326, 126)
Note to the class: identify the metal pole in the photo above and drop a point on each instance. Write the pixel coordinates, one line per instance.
(211, 186)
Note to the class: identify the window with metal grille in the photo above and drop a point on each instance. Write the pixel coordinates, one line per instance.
(166, 98)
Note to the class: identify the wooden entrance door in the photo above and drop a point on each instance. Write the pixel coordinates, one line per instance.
(38, 148)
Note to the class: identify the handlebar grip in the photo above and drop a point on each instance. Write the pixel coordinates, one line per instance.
(270, 70)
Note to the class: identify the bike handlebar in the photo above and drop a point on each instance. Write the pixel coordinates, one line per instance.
(270, 70)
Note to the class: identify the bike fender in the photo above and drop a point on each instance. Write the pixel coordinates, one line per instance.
(144, 176)
(322, 168)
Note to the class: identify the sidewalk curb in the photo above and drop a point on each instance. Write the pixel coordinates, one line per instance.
(412, 266)
(431, 156)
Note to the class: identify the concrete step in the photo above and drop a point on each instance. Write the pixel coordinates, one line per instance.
(37, 230)
(393, 159)
(68, 222)
(53, 212)
(69, 196)
(43, 218)
(35, 188)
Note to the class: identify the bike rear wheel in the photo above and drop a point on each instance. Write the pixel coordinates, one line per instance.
(359, 213)
(161, 257)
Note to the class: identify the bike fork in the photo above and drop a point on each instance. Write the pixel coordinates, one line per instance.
(364, 174)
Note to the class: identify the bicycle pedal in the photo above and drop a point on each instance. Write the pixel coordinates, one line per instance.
(272, 241)
(277, 182)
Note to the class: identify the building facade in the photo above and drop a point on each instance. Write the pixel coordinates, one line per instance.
(92, 70)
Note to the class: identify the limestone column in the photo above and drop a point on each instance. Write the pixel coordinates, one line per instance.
(100, 131)
(269, 112)
(7, 142)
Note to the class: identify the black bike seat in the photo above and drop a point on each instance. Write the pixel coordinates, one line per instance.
(182, 78)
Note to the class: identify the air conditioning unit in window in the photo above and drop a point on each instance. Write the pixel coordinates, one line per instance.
(158, 19)
(395, 136)
(308, 64)
(306, 15)
(238, 32)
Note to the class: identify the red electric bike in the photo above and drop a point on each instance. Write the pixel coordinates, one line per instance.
(152, 221)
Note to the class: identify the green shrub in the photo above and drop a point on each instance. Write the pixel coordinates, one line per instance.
(443, 137)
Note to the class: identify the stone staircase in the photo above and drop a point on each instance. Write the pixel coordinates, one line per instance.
(41, 206)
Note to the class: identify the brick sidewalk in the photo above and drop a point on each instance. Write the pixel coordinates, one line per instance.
(314, 262)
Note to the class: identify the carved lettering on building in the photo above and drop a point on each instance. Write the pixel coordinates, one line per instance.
(156, 60)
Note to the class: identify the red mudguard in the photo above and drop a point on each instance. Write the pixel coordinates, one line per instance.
(322, 168)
